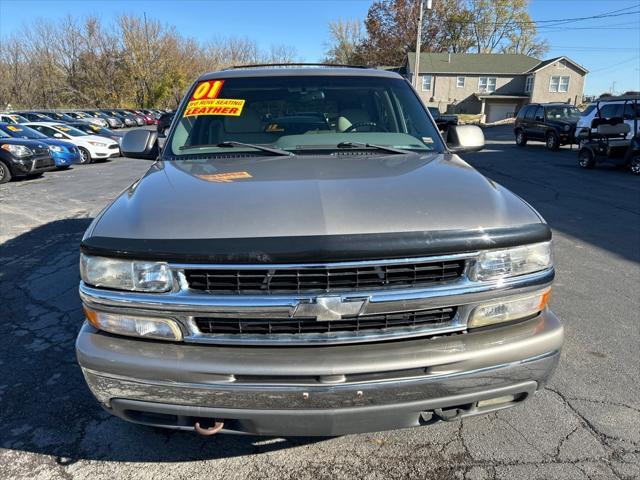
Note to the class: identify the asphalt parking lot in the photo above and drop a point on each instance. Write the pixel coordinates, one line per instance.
(584, 425)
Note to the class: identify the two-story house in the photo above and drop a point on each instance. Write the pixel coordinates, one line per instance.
(494, 85)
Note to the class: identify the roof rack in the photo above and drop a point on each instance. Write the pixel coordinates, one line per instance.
(284, 65)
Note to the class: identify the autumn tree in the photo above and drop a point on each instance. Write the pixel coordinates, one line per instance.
(345, 37)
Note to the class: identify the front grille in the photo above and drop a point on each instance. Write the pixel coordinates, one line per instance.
(434, 318)
(323, 279)
(44, 162)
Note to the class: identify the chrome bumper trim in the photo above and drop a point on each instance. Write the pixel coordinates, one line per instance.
(184, 305)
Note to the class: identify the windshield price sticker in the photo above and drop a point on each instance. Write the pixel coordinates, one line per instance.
(215, 106)
(15, 129)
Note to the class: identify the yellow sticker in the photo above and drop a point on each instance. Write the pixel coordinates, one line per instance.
(225, 177)
(214, 106)
(15, 129)
(64, 129)
(13, 117)
(94, 127)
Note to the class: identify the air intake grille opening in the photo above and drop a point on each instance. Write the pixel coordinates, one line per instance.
(324, 279)
(435, 318)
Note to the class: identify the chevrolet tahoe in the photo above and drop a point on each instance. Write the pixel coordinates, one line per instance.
(306, 255)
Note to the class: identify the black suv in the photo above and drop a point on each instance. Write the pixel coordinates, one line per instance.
(552, 123)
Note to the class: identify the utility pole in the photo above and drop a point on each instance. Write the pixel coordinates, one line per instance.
(419, 41)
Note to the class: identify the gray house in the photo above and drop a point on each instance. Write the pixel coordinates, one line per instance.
(494, 85)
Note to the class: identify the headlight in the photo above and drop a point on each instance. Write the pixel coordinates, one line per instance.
(56, 148)
(134, 326)
(98, 144)
(17, 150)
(508, 310)
(567, 128)
(510, 262)
(130, 275)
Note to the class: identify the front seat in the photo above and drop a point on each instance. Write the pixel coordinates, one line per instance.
(246, 128)
(352, 116)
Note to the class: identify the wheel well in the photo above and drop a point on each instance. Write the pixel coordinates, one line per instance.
(8, 166)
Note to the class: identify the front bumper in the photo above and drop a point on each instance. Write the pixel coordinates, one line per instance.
(63, 159)
(100, 153)
(319, 390)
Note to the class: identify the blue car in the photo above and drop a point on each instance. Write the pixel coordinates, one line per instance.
(64, 154)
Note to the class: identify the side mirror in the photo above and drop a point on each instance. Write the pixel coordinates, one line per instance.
(58, 135)
(140, 144)
(465, 138)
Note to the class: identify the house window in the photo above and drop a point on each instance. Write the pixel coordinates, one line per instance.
(528, 84)
(426, 83)
(487, 84)
(460, 82)
(559, 83)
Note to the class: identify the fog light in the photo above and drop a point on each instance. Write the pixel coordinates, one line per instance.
(509, 309)
(134, 326)
(492, 402)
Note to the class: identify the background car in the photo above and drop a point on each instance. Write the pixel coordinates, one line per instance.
(96, 130)
(23, 158)
(12, 118)
(57, 116)
(112, 121)
(164, 123)
(139, 119)
(77, 115)
(35, 116)
(92, 147)
(126, 119)
(552, 123)
(64, 154)
(614, 107)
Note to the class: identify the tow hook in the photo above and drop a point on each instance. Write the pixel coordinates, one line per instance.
(209, 430)
(450, 414)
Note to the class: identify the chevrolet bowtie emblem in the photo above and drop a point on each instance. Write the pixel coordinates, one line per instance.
(329, 308)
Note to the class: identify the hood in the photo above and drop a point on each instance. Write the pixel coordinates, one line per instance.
(96, 138)
(310, 195)
(32, 144)
(571, 121)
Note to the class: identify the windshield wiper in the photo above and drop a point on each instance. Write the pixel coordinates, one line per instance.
(371, 145)
(232, 143)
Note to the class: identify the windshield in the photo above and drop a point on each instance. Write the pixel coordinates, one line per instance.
(20, 131)
(557, 113)
(71, 131)
(16, 118)
(299, 113)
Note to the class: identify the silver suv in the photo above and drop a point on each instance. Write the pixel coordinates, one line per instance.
(306, 256)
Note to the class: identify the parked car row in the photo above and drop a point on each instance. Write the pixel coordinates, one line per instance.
(32, 148)
(105, 118)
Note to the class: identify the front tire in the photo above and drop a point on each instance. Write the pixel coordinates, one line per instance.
(521, 138)
(585, 158)
(85, 156)
(552, 142)
(5, 173)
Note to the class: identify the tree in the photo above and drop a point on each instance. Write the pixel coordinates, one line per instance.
(346, 36)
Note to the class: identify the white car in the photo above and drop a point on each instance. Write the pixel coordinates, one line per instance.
(92, 147)
(12, 118)
(608, 109)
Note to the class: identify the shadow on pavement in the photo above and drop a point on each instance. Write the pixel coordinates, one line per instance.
(46, 406)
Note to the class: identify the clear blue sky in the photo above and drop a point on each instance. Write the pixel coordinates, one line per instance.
(609, 48)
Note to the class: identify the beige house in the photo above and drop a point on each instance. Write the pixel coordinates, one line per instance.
(494, 85)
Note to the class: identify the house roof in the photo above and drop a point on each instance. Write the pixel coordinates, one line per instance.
(506, 63)
(544, 63)
(496, 63)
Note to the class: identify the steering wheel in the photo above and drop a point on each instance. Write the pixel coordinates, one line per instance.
(352, 127)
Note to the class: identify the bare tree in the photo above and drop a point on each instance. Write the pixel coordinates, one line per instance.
(345, 37)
